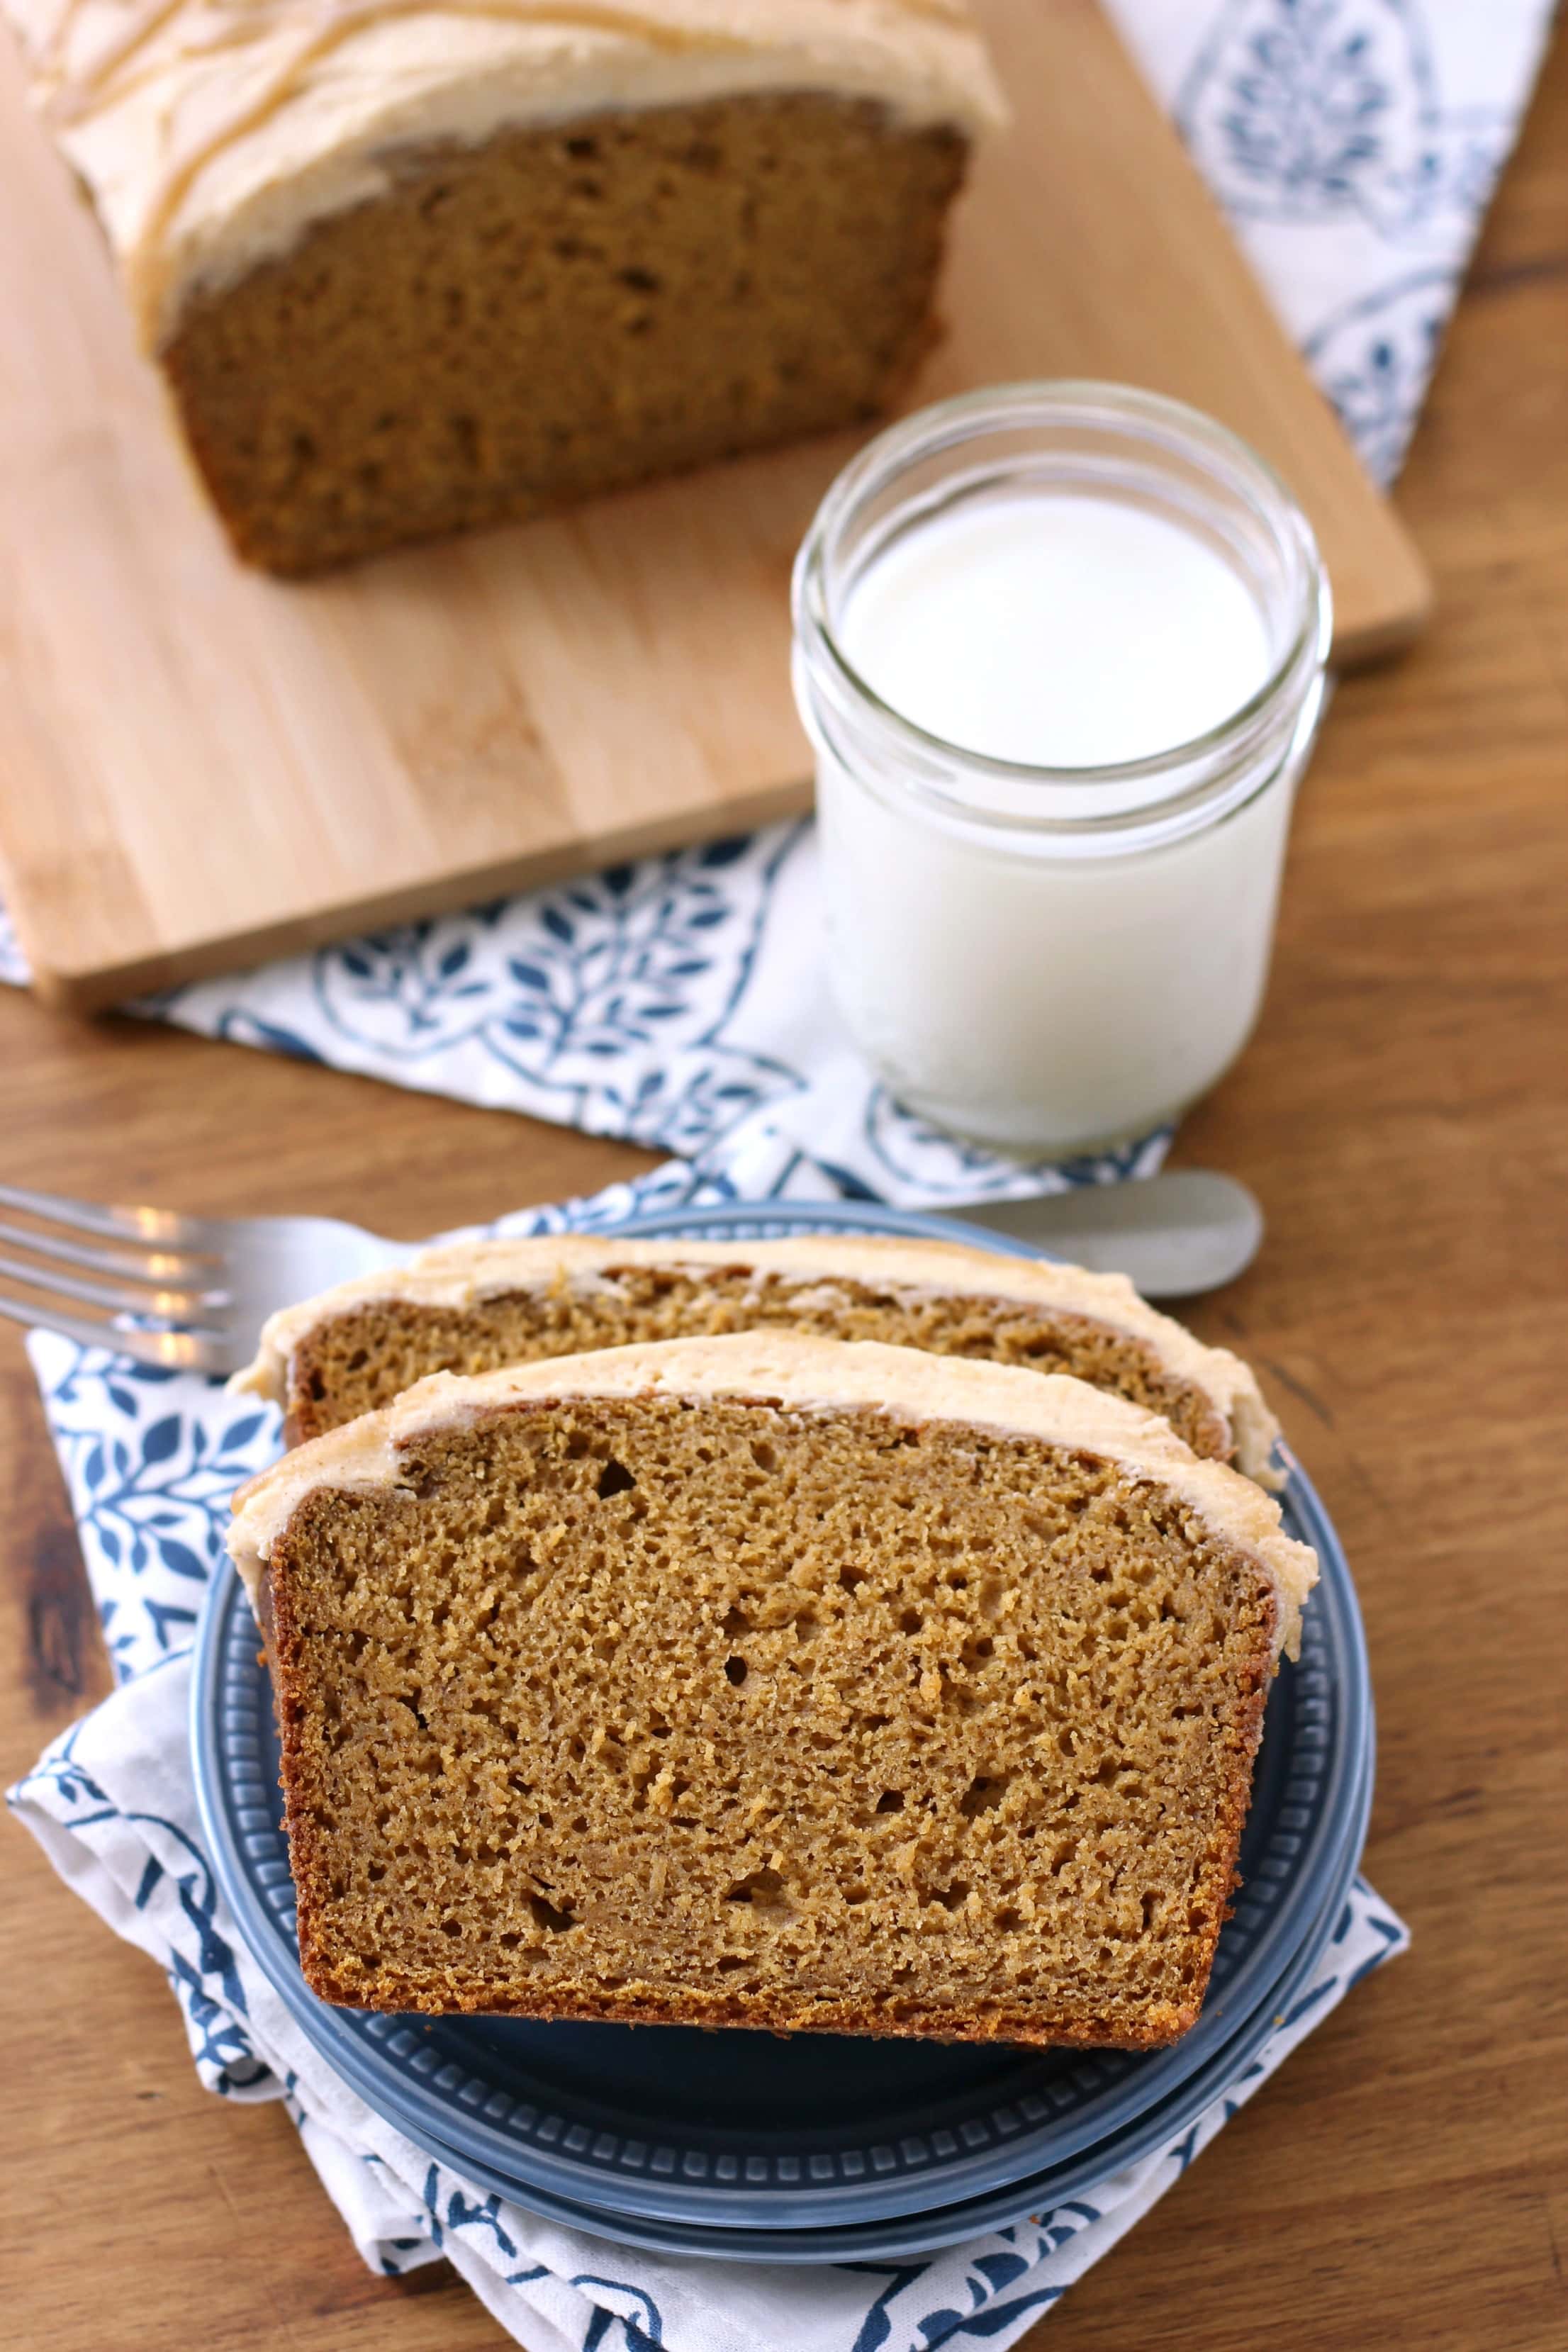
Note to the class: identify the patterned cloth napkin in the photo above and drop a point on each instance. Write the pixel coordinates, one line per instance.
(151, 1458)
(679, 1002)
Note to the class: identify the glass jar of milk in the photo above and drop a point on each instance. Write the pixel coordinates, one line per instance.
(1060, 648)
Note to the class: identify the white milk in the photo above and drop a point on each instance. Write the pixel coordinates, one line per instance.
(1039, 1007)
(1048, 962)
(1061, 631)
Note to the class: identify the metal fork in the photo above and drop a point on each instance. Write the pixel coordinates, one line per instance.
(193, 1293)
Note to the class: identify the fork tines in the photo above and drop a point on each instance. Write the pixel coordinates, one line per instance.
(151, 1276)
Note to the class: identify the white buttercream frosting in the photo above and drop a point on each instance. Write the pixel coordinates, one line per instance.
(799, 1373)
(212, 132)
(460, 1275)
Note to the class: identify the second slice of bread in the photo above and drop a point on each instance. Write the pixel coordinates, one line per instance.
(474, 1307)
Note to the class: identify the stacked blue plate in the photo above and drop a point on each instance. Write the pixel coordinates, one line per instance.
(818, 2148)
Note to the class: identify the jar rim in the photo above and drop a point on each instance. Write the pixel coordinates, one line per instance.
(965, 416)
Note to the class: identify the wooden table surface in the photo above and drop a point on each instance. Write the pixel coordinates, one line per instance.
(1403, 2179)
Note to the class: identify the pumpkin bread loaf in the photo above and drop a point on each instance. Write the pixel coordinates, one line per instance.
(412, 270)
(769, 1681)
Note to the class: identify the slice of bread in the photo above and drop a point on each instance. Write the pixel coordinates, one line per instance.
(768, 1681)
(478, 1306)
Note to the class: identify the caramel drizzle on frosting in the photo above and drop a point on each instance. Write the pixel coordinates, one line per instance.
(86, 84)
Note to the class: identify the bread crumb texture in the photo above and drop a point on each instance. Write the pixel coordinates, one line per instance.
(719, 1713)
(562, 311)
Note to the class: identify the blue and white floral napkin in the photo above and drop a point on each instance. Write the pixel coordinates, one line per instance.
(679, 1002)
(150, 1459)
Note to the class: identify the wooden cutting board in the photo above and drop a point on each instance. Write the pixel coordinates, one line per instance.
(200, 767)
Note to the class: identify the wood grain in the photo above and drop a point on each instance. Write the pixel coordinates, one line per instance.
(201, 766)
(1404, 2180)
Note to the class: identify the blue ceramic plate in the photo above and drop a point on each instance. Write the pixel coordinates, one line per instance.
(740, 2131)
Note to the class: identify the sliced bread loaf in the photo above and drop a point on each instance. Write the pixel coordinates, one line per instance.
(768, 1681)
